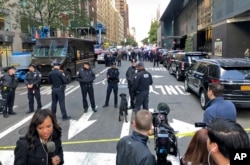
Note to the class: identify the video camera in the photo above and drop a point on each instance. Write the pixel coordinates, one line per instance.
(164, 137)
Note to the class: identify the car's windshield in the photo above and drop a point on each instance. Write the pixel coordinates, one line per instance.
(235, 74)
(50, 48)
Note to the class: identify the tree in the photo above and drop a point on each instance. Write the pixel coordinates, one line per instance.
(145, 41)
(152, 34)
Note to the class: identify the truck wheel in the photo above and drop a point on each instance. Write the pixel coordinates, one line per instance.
(68, 76)
(187, 89)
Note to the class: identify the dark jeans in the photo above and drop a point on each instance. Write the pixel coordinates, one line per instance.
(34, 93)
(87, 89)
(156, 62)
(114, 87)
(132, 96)
(58, 95)
(9, 97)
(141, 99)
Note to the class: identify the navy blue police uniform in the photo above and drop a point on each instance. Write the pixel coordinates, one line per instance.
(130, 77)
(113, 80)
(58, 81)
(34, 79)
(86, 77)
(142, 82)
(8, 84)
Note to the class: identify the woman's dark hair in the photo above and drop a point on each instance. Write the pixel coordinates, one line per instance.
(197, 152)
(37, 119)
(228, 135)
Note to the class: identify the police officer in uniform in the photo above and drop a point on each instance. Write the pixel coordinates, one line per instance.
(86, 77)
(33, 81)
(9, 83)
(58, 80)
(142, 81)
(130, 76)
(113, 80)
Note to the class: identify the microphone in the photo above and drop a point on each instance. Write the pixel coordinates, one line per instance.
(51, 147)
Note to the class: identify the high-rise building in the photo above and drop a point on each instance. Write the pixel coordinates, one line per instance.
(122, 7)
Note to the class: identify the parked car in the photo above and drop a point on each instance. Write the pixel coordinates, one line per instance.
(233, 73)
(184, 60)
(169, 57)
(100, 58)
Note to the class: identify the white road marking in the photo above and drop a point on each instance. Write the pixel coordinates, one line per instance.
(70, 158)
(126, 125)
(76, 126)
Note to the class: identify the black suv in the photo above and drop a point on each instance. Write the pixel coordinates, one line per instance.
(233, 73)
(184, 60)
(169, 57)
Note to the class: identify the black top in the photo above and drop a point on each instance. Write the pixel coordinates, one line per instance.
(130, 74)
(38, 156)
(113, 75)
(57, 78)
(9, 81)
(85, 76)
(133, 150)
(33, 78)
(142, 81)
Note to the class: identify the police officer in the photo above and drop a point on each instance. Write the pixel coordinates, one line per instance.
(113, 80)
(58, 80)
(86, 77)
(130, 76)
(33, 81)
(9, 83)
(142, 81)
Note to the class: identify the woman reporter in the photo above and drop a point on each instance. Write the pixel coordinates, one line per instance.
(35, 147)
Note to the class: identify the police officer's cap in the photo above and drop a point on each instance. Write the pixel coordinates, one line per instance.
(133, 60)
(11, 67)
(32, 65)
(163, 107)
(56, 64)
(140, 64)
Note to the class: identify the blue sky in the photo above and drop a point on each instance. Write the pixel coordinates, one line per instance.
(141, 13)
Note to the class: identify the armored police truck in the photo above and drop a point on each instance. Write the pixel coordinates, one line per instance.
(71, 53)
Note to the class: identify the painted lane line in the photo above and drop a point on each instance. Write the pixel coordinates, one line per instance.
(20, 123)
(75, 158)
(126, 126)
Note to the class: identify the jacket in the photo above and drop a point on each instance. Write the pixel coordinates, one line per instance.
(133, 150)
(130, 75)
(33, 78)
(57, 79)
(85, 76)
(9, 81)
(142, 81)
(113, 75)
(38, 156)
(219, 108)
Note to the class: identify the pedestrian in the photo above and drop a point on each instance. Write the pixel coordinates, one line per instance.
(33, 82)
(197, 152)
(217, 107)
(133, 149)
(156, 57)
(113, 80)
(86, 77)
(247, 54)
(130, 77)
(44, 134)
(225, 136)
(142, 81)
(9, 83)
(58, 80)
(119, 58)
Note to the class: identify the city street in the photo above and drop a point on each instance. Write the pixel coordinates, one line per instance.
(91, 138)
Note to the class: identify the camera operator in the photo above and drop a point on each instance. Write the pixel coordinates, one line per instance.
(133, 149)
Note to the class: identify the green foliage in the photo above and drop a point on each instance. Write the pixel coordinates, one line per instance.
(130, 41)
(145, 41)
(152, 34)
(188, 44)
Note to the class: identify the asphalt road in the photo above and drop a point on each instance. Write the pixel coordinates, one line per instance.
(91, 138)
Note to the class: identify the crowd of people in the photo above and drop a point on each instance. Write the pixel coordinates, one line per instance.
(209, 145)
